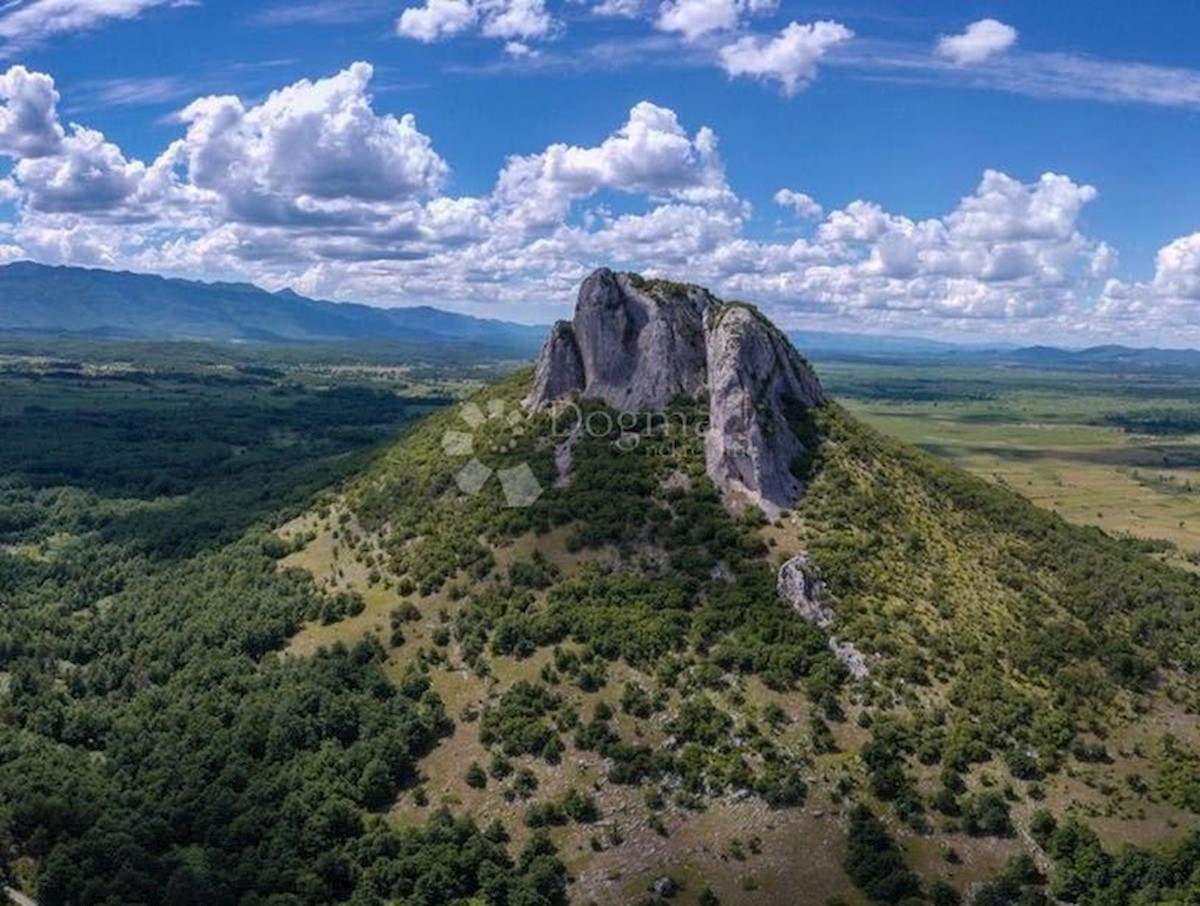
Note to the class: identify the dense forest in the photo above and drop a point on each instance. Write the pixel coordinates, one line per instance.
(155, 748)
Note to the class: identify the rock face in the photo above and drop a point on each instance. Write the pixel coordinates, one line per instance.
(631, 344)
(559, 371)
(638, 344)
(759, 390)
(798, 587)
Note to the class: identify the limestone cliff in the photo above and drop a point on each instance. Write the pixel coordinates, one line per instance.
(639, 344)
(759, 392)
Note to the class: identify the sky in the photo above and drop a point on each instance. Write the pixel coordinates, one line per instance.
(1013, 170)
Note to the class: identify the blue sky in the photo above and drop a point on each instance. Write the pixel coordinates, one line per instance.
(1007, 169)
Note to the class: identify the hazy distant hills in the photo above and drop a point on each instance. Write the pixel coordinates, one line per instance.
(827, 345)
(36, 299)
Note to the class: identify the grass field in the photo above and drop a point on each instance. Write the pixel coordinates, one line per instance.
(1115, 451)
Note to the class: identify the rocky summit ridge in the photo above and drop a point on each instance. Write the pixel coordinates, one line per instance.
(639, 344)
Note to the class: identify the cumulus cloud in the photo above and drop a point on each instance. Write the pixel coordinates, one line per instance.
(789, 58)
(437, 19)
(29, 125)
(90, 174)
(651, 154)
(312, 187)
(504, 19)
(1171, 297)
(695, 18)
(1177, 269)
(981, 40)
(306, 151)
(24, 23)
(803, 206)
(515, 19)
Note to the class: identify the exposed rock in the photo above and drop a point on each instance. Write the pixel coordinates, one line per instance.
(799, 587)
(564, 456)
(638, 345)
(852, 659)
(559, 370)
(759, 389)
(796, 585)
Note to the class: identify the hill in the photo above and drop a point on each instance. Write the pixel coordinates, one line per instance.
(907, 684)
(35, 299)
(547, 646)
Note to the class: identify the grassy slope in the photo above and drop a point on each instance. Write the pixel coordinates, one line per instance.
(999, 636)
(1056, 438)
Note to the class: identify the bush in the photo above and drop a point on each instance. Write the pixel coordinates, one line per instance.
(475, 776)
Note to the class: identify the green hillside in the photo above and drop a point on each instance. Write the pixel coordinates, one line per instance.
(215, 691)
(620, 641)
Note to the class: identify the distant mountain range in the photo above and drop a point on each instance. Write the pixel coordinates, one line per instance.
(830, 346)
(36, 299)
(829, 343)
(39, 300)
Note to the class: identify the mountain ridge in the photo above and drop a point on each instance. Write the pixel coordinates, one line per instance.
(36, 298)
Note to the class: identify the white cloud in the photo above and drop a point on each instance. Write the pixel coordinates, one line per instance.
(515, 18)
(803, 206)
(1177, 269)
(504, 19)
(519, 50)
(623, 9)
(312, 187)
(308, 152)
(29, 22)
(651, 154)
(90, 174)
(436, 20)
(981, 40)
(791, 58)
(1171, 297)
(130, 92)
(695, 18)
(29, 125)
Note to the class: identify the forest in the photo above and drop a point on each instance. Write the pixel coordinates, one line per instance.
(155, 748)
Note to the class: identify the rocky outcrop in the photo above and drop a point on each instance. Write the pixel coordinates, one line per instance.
(639, 344)
(559, 371)
(759, 392)
(797, 585)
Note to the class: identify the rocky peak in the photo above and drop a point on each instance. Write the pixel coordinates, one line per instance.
(638, 344)
(633, 343)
